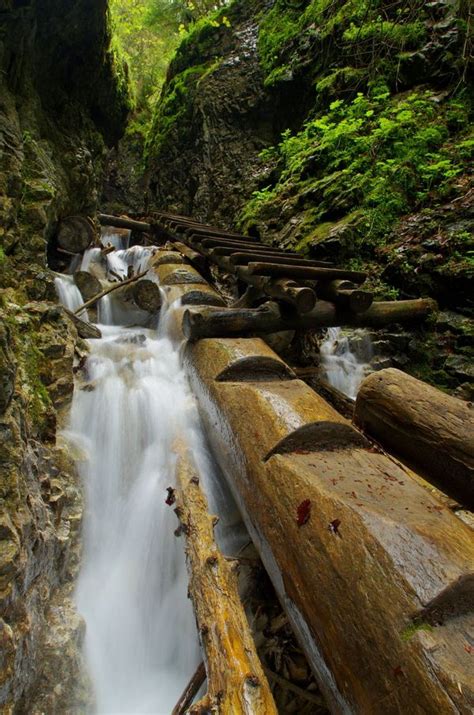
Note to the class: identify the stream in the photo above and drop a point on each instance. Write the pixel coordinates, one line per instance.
(131, 402)
(345, 359)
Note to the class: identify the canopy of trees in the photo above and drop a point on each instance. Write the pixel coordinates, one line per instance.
(147, 32)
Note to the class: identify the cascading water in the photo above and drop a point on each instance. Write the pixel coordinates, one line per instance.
(344, 364)
(131, 403)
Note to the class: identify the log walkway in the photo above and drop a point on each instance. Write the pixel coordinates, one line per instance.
(375, 573)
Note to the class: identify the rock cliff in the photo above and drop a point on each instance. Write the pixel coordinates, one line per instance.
(63, 98)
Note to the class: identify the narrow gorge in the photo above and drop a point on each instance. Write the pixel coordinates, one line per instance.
(236, 357)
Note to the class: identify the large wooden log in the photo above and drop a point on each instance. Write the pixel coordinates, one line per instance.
(269, 318)
(124, 222)
(432, 430)
(75, 233)
(305, 273)
(236, 683)
(346, 295)
(289, 259)
(87, 283)
(376, 576)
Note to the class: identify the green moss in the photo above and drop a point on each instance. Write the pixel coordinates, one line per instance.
(414, 628)
(367, 162)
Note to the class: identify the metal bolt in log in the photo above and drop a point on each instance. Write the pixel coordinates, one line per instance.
(225, 634)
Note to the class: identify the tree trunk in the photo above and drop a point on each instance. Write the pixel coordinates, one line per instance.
(365, 561)
(236, 682)
(75, 233)
(289, 259)
(269, 318)
(109, 289)
(432, 430)
(124, 222)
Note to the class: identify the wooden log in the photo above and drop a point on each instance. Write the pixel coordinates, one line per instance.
(236, 682)
(317, 274)
(229, 249)
(433, 431)
(75, 233)
(88, 284)
(302, 298)
(190, 691)
(124, 222)
(84, 329)
(375, 575)
(195, 259)
(269, 318)
(205, 242)
(346, 295)
(219, 233)
(290, 259)
(109, 289)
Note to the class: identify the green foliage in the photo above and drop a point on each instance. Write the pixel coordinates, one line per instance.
(377, 36)
(377, 155)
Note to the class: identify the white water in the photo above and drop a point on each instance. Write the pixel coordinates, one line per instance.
(345, 367)
(141, 645)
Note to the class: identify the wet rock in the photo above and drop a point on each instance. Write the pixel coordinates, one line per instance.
(461, 367)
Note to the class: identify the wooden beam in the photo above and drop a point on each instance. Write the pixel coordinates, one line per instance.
(269, 318)
(316, 274)
(124, 222)
(236, 682)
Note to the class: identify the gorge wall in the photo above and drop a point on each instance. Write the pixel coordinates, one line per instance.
(339, 129)
(63, 97)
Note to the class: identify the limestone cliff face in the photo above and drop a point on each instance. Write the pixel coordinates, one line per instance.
(214, 118)
(60, 102)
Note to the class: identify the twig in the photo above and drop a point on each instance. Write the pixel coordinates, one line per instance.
(190, 690)
(286, 685)
(100, 295)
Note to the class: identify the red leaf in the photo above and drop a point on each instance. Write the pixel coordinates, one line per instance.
(303, 512)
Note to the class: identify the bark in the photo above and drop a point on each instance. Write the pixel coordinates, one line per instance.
(360, 554)
(124, 222)
(75, 234)
(316, 274)
(84, 329)
(235, 679)
(431, 430)
(269, 318)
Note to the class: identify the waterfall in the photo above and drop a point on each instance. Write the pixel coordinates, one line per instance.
(131, 402)
(69, 294)
(345, 359)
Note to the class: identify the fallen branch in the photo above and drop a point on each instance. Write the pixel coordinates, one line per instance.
(190, 691)
(286, 685)
(235, 677)
(108, 290)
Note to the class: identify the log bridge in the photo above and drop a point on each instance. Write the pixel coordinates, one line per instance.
(374, 570)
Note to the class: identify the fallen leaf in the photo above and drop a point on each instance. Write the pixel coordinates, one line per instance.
(303, 512)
